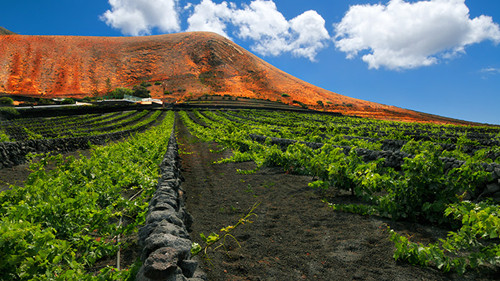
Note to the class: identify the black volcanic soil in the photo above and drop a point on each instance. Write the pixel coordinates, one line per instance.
(295, 236)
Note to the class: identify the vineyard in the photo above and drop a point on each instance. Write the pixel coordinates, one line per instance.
(321, 188)
(444, 176)
(68, 217)
(22, 136)
(74, 126)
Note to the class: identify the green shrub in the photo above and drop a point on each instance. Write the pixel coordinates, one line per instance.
(145, 84)
(68, 101)
(45, 102)
(119, 93)
(285, 95)
(8, 111)
(6, 101)
(303, 105)
(141, 91)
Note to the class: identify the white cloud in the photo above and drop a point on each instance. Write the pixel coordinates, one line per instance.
(208, 16)
(311, 34)
(139, 17)
(261, 22)
(402, 35)
(490, 71)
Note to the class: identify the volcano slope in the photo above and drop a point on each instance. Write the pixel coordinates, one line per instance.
(179, 66)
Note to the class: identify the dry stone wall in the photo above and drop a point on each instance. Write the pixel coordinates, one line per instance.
(164, 239)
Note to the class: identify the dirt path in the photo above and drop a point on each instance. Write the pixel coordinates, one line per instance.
(294, 237)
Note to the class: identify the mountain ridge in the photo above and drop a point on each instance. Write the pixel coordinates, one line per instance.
(181, 66)
(4, 31)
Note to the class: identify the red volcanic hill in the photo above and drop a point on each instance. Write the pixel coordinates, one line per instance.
(185, 65)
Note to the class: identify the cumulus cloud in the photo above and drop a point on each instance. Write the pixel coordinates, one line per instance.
(261, 22)
(209, 16)
(403, 35)
(139, 17)
(260, 19)
(311, 34)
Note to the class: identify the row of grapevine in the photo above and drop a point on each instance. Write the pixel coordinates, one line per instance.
(14, 153)
(23, 129)
(458, 145)
(67, 218)
(422, 187)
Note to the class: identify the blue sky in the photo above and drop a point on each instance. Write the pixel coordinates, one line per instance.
(435, 56)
